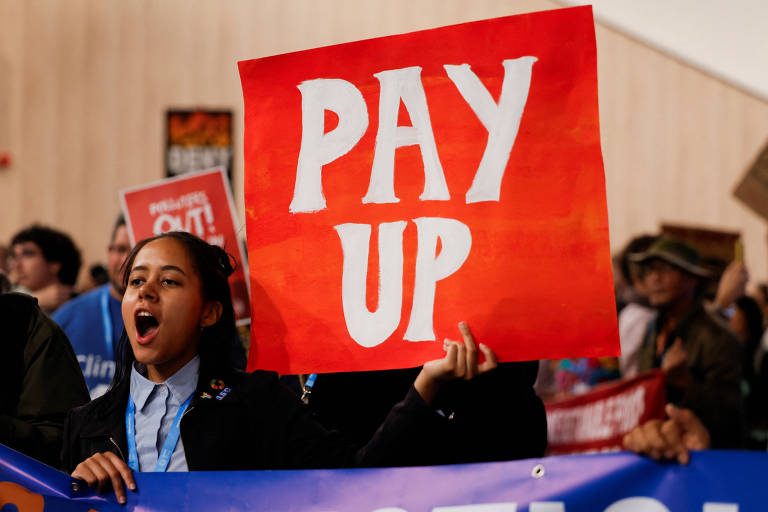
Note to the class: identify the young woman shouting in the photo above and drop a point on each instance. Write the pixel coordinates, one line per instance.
(175, 403)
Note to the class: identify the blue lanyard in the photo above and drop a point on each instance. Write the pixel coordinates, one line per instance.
(168, 446)
(106, 318)
(308, 387)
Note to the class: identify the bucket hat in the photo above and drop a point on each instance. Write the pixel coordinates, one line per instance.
(675, 252)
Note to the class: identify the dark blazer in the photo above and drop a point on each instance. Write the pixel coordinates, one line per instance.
(40, 379)
(495, 416)
(247, 421)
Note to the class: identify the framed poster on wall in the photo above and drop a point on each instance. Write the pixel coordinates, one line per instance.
(198, 139)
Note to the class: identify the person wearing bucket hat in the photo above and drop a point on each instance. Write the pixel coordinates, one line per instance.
(698, 353)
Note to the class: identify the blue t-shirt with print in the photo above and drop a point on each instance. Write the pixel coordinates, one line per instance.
(84, 323)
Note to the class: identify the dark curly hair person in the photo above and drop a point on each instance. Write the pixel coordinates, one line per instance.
(46, 263)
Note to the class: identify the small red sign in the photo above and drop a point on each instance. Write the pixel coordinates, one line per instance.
(199, 203)
(597, 421)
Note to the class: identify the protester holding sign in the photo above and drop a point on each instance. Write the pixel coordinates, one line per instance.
(93, 322)
(174, 386)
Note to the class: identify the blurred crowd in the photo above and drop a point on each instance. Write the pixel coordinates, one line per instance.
(706, 331)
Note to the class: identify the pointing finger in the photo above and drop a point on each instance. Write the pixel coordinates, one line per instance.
(471, 347)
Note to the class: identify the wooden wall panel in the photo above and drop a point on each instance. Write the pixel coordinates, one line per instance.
(85, 85)
(675, 143)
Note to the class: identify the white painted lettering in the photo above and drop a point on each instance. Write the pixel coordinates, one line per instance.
(720, 507)
(637, 504)
(396, 85)
(165, 223)
(547, 506)
(371, 328)
(319, 148)
(480, 507)
(502, 120)
(456, 242)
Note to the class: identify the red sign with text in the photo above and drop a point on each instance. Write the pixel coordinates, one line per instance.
(398, 185)
(597, 421)
(199, 203)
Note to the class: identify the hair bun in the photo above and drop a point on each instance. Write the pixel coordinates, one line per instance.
(226, 264)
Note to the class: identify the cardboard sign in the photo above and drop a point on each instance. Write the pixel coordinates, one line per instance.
(753, 187)
(199, 203)
(198, 139)
(597, 421)
(398, 185)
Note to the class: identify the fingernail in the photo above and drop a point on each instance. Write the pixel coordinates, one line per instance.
(132, 487)
(121, 499)
(462, 325)
(483, 345)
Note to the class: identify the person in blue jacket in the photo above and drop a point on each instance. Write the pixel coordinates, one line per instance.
(93, 321)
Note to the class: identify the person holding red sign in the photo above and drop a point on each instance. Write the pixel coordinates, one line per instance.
(176, 404)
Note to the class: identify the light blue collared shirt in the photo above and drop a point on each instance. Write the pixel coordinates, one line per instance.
(156, 407)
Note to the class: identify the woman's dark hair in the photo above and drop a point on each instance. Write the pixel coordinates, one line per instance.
(213, 266)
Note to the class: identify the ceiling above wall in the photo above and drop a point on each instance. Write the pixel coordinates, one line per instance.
(728, 40)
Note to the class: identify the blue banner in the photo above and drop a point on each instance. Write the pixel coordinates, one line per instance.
(714, 481)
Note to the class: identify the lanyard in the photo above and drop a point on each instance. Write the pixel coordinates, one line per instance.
(308, 387)
(168, 446)
(106, 318)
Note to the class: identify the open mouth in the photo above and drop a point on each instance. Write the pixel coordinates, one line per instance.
(146, 325)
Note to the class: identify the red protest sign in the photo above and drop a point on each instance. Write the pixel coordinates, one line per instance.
(397, 185)
(598, 420)
(199, 203)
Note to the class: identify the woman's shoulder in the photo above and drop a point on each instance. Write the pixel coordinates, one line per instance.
(98, 409)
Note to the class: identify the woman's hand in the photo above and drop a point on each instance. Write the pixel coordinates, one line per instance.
(102, 468)
(460, 362)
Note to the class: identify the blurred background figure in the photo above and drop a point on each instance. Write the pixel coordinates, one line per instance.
(93, 321)
(45, 264)
(5, 283)
(5, 260)
(747, 323)
(40, 379)
(636, 313)
(97, 276)
(699, 354)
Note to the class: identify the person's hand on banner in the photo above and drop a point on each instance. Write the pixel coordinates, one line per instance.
(460, 362)
(670, 439)
(104, 469)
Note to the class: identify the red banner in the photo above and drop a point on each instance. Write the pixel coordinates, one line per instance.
(598, 420)
(199, 203)
(398, 185)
